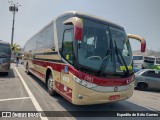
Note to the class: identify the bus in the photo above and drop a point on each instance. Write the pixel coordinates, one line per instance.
(157, 61)
(138, 61)
(152, 62)
(5, 57)
(86, 59)
(149, 62)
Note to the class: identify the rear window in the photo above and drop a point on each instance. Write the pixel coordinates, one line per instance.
(140, 71)
(154, 74)
(5, 49)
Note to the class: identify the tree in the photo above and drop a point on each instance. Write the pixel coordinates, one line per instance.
(15, 48)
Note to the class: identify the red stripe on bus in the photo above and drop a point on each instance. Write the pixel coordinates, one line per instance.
(59, 88)
(38, 73)
(90, 78)
(57, 84)
(70, 100)
(65, 93)
(54, 66)
(101, 80)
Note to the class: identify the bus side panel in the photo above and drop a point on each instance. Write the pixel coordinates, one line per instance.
(65, 82)
(30, 61)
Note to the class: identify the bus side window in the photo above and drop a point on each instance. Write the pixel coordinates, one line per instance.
(67, 47)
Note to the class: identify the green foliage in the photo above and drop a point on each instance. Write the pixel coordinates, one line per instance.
(15, 48)
(154, 67)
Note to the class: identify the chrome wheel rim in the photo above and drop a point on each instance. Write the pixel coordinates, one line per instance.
(50, 83)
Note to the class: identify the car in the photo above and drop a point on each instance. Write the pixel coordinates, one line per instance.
(136, 69)
(147, 78)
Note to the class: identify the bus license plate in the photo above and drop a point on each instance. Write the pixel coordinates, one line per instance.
(114, 97)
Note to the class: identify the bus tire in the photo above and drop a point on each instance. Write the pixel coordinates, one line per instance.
(50, 84)
(142, 86)
(27, 69)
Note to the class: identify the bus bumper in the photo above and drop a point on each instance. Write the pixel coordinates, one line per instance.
(4, 67)
(85, 96)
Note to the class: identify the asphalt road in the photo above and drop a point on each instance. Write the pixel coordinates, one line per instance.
(22, 92)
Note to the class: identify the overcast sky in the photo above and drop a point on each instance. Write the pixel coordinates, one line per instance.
(141, 17)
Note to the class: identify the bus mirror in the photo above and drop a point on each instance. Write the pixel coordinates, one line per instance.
(78, 33)
(140, 39)
(78, 27)
(143, 47)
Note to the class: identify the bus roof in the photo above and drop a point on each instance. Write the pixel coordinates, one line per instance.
(3, 42)
(88, 16)
(80, 14)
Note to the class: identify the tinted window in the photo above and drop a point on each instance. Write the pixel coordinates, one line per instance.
(60, 29)
(106, 46)
(94, 45)
(43, 39)
(149, 59)
(157, 60)
(67, 50)
(154, 74)
(5, 49)
(46, 38)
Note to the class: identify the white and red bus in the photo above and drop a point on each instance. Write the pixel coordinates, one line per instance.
(85, 59)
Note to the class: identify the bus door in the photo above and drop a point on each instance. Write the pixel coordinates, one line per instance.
(67, 55)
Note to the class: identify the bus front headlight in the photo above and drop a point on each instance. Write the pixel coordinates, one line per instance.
(76, 79)
(84, 82)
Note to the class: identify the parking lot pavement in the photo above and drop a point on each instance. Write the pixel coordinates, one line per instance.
(149, 98)
(13, 96)
(10, 86)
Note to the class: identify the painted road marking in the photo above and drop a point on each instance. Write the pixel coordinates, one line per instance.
(20, 98)
(33, 99)
(142, 106)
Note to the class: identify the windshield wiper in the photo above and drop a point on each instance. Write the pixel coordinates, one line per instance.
(118, 52)
(104, 62)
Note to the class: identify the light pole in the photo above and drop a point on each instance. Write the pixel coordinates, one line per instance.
(13, 8)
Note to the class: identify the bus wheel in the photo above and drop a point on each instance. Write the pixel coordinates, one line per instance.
(50, 84)
(142, 86)
(27, 69)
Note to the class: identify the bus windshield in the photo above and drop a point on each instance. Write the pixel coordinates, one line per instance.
(5, 50)
(104, 49)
